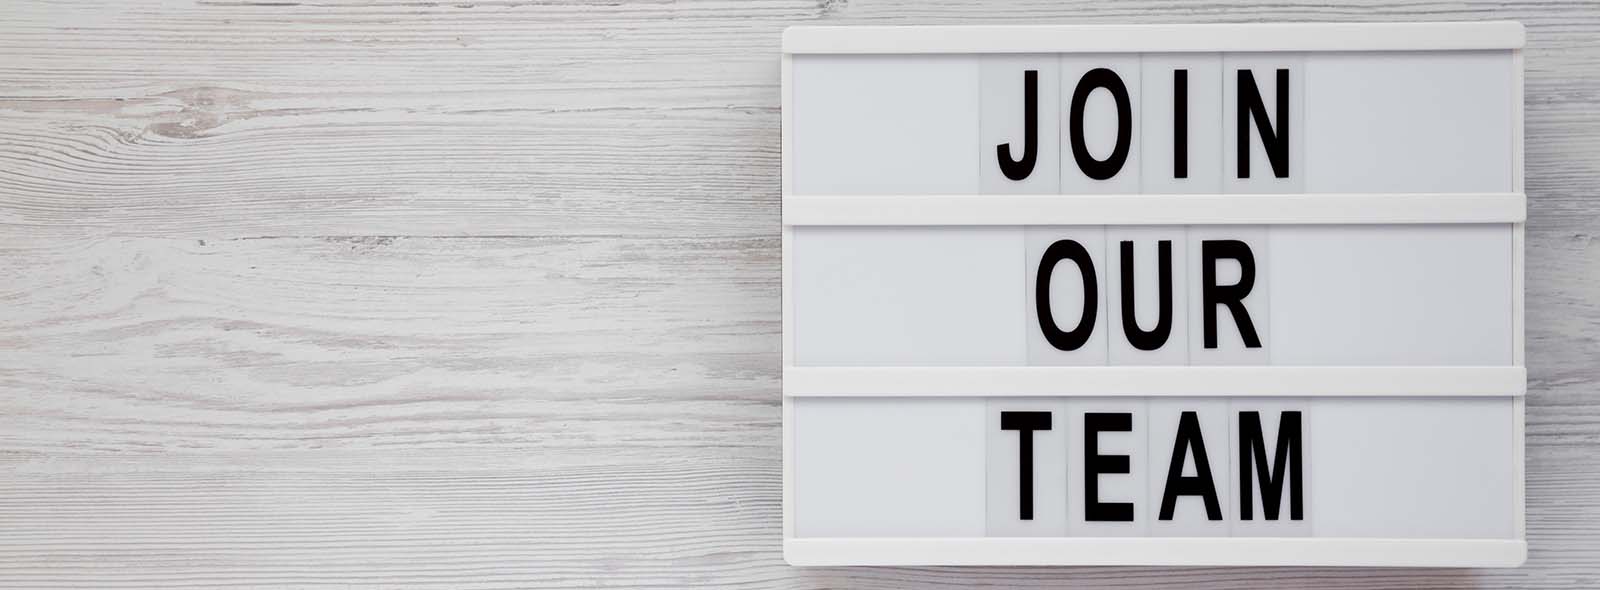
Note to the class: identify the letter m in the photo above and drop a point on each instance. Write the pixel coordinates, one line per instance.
(1286, 459)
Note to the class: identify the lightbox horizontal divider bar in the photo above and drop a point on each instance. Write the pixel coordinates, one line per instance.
(1155, 38)
(1181, 551)
(1177, 381)
(1149, 209)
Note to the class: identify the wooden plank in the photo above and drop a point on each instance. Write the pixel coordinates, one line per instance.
(142, 345)
(464, 518)
(512, 318)
(353, 118)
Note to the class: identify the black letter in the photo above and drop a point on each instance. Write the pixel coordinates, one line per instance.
(1018, 170)
(1095, 464)
(1180, 124)
(1107, 168)
(1026, 423)
(1232, 296)
(1065, 250)
(1139, 338)
(1199, 485)
(1276, 142)
(1252, 447)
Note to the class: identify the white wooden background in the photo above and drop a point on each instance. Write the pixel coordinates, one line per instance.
(485, 293)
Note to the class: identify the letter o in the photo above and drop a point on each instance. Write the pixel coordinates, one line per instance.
(1107, 168)
(1075, 338)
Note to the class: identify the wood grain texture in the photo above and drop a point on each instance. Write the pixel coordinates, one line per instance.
(485, 294)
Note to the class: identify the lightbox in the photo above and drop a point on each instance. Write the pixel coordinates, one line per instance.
(1183, 295)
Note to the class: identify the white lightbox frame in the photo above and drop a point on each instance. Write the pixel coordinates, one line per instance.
(836, 210)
